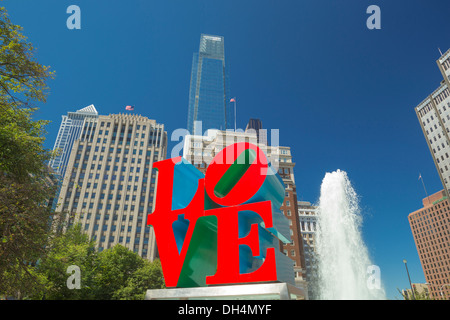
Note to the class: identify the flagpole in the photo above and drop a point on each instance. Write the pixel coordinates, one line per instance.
(235, 115)
(420, 178)
(234, 100)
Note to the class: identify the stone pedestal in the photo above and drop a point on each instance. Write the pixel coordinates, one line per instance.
(260, 291)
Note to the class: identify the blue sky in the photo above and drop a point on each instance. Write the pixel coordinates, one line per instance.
(342, 96)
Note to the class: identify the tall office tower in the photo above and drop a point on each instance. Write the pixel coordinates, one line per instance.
(308, 220)
(109, 185)
(200, 150)
(69, 131)
(256, 126)
(434, 118)
(209, 106)
(430, 227)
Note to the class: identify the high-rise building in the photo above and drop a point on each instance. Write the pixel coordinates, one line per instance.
(256, 126)
(109, 185)
(434, 118)
(200, 150)
(69, 132)
(209, 105)
(308, 224)
(430, 227)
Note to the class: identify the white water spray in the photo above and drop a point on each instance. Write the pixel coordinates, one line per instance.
(343, 260)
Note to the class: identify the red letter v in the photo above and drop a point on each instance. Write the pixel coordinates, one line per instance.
(163, 218)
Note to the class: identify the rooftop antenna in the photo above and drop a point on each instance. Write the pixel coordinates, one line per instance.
(426, 193)
(440, 51)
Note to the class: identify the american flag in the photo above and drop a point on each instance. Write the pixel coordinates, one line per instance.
(131, 108)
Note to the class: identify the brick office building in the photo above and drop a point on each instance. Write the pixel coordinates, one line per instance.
(430, 226)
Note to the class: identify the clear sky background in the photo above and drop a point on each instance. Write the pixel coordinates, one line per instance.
(342, 96)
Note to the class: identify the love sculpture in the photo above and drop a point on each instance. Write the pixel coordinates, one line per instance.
(223, 227)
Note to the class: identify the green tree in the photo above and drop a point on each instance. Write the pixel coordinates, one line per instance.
(22, 78)
(72, 248)
(417, 295)
(149, 276)
(115, 267)
(22, 85)
(25, 183)
(24, 231)
(113, 274)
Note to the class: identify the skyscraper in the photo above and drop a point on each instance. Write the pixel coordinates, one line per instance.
(308, 222)
(110, 184)
(431, 224)
(434, 118)
(69, 131)
(209, 88)
(256, 126)
(430, 227)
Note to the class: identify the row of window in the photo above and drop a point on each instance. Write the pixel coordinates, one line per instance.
(122, 228)
(89, 132)
(446, 64)
(308, 226)
(109, 207)
(442, 96)
(95, 166)
(117, 159)
(96, 176)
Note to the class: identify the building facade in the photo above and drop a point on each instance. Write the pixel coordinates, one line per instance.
(308, 226)
(430, 227)
(69, 131)
(209, 93)
(109, 185)
(434, 118)
(420, 289)
(255, 125)
(200, 150)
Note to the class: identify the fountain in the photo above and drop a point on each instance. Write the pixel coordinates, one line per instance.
(342, 256)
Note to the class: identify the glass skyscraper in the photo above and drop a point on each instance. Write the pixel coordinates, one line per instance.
(209, 88)
(69, 131)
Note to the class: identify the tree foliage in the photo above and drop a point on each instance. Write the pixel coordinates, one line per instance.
(34, 260)
(23, 81)
(124, 275)
(422, 295)
(116, 266)
(72, 248)
(149, 276)
(25, 182)
(113, 274)
(24, 231)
